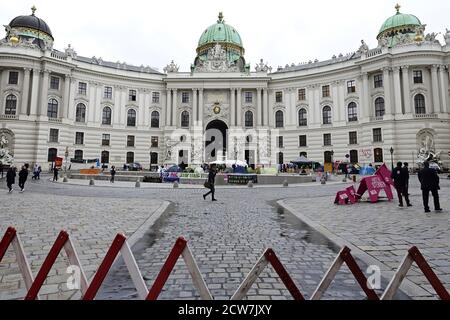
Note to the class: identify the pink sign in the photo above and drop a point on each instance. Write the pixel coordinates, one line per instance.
(374, 184)
(346, 196)
(351, 193)
(385, 174)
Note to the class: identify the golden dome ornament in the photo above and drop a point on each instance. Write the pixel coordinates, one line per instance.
(14, 40)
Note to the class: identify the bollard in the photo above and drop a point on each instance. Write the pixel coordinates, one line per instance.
(175, 185)
(285, 183)
(91, 182)
(138, 184)
(65, 179)
(354, 178)
(250, 184)
(323, 180)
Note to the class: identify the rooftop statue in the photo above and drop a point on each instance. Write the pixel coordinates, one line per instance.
(171, 68)
(263, 67)
(364, 48)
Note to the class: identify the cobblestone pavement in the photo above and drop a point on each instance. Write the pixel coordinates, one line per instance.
(385, 232)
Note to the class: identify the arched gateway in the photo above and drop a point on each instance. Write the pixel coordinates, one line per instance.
(216, 141)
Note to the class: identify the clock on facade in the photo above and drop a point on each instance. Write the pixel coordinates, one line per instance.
(216, 109)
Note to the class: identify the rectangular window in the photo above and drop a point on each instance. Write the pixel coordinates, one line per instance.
(185, 97)
(353, 137)
(132, 95)
(108, 93)
(302, 141)
(378, 81)
(82, 88)
(278, 96)
(155, 142)
(418, 77)
(54, 83)
(325, 91)
(79, 138)
(155, 97)
(130, 141)
(327, 139)
(377, 137)
(13, 77)
(54, 133)
(106, 139)
(280, 142)
(301, 94)
(248, 97)
(351, 86)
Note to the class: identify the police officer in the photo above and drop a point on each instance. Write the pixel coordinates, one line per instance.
(429, 181)
(400, 179)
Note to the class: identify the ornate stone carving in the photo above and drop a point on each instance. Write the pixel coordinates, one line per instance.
(6, 157)
(263, 67)
(447, 36)
(216, 61)
(70, 52)
(171, 68)
(364, 48)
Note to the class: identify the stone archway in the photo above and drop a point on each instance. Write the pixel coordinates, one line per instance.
(216, 137)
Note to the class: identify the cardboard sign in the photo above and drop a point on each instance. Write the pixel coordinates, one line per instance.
(385, 174)
(341, 197)
(374, 185)
(351, 193)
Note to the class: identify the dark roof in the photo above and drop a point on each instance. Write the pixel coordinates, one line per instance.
(31, 21)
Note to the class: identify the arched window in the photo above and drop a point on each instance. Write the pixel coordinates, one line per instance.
(379, 107)
(80, 114)
(52, 110)
(378, 155)
(326, 115)
(352, 112)
(185, 119)
(106, 115)
(248, 119)
(131, 118)
(130, 157)
(419, 104)
(327, 157)
(78, 155)
(279, 119)
(52, 152)
(11, 104)
(105, 157)
(353, 156)
(155, 119)
(302, 117)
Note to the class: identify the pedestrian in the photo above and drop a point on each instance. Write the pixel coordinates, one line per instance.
(35, 172)
(1, 169)
(39, 172)
(210, 183)
(406, 169)
(399, 177)
(55, 173)
(429, 181)
(11, 178)
(113, 174)
(23, 175)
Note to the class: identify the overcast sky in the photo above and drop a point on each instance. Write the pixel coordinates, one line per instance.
(279, 31)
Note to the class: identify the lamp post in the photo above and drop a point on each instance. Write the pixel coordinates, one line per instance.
(332, 161)
(392, 157)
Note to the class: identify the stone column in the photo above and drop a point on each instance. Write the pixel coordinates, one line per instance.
(387, 91)
(168, 107)
(173, 121)
(34, 103)
(293, 107)
(66, 97)
(317, 108)
(310, 99)
(44, 93)
(2, 76)
(96, 106)
(142, 108)
(258, 106)
(265, 108)
(343, 114)
(443, 78)
(397, 91)
(335, 96)
(436, 106)
(200, 108)
(365, 110)
(239, 108)
(406, 90)
(194, 107)
(271, 103)
(25, 91)
(233, 107)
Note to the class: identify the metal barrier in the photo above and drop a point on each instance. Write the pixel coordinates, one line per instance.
(89, 290)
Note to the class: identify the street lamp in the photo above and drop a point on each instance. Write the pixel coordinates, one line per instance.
(392, 157)
(332, 162)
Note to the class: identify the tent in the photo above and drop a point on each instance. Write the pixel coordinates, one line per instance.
(302, 160)
(230, 163)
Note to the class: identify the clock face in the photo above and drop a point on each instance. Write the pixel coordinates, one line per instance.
(216, 109)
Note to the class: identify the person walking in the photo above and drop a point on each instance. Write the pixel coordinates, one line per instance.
(1, 170)
(113, 174)
(399, 177)
(210, 183)
(429, 181)
(55, 173)
(35, 172)
(406, 169)
(11, 178)
(23, 175)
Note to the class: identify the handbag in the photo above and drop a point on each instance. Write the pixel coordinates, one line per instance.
(207, 185)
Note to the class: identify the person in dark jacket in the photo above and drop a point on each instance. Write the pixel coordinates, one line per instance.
(23, 175)
(400, 179)
(55, 173)
(406, 168)
(211, 181)
(113, 174)
(11, 178)
(429, 181)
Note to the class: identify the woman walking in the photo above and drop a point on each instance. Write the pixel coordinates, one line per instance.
(210, 183)
(113, 174)
(11, 178)
(23, 175)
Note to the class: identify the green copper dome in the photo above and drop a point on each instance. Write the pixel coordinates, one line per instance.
(399, 20)
(220, 33)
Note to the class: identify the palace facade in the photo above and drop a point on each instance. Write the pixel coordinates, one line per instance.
(365, 104)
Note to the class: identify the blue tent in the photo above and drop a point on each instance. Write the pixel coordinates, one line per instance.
(367, 171)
